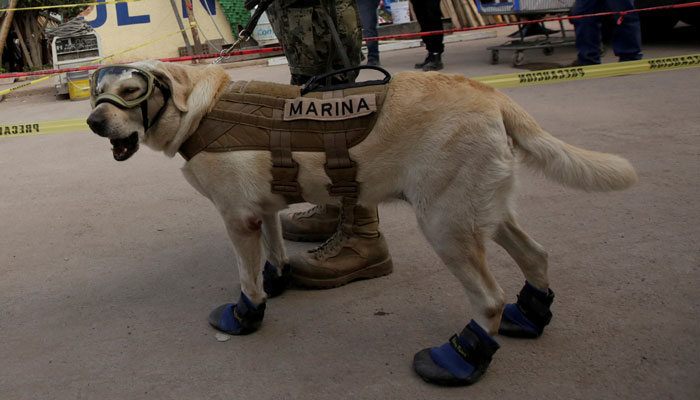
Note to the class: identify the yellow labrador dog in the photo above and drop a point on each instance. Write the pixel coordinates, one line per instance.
(445, 144)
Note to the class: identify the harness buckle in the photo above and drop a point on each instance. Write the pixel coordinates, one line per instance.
(285, 188)
(284, 180)
(344, 189)
(343, 181)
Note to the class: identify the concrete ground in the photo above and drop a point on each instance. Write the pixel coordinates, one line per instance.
(109, 270)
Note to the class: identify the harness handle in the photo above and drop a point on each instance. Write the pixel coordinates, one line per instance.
(262, 6)
(315, 84)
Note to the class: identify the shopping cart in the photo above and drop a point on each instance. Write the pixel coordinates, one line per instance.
(545, 41)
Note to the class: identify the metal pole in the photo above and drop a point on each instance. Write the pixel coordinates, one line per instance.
(195, 34)
(182, 28)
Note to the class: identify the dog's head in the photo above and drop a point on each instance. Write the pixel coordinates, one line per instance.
(130, 103)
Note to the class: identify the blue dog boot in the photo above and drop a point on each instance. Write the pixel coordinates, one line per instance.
(240, 318)
(529, 315)
(459, 362)
(275, 285)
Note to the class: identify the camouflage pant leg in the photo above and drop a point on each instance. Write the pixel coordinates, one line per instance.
(301, 27)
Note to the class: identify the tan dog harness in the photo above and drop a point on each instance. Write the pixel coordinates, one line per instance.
(274, 117)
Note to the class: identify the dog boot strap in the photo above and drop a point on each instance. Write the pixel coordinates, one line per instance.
(529, 315)
(534, 304)
(275, 284)
(467, 355)
(238, 318)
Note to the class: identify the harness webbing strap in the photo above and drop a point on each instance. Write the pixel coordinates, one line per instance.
(339, 167)
(284, 168)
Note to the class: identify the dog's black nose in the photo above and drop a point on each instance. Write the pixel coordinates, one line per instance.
(97, 121)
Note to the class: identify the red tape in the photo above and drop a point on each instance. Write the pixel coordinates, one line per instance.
(388, 37)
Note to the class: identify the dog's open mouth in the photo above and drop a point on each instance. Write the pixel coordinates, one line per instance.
(122, 149)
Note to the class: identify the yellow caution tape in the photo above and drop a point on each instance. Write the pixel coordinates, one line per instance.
(66, 5)
(24, 85)
(590, 71)
(43, 128)
(12, 89)
(498, 81)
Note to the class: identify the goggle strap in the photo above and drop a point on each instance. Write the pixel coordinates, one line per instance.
(144, 114)
(166, 96)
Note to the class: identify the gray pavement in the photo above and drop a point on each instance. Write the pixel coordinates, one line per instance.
(109, 269)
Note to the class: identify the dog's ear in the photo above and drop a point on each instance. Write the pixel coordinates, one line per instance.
(177, 79)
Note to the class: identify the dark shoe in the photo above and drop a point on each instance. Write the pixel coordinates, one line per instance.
(373, 62)
(275, 283)
(527, 317)
(428, 58)
(421, 64)
(459, 362)
(580, 63)
(633, 57)
(433, 62)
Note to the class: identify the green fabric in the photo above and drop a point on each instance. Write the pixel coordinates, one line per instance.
(235, 13)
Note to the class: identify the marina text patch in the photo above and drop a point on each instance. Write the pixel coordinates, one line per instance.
(331, 109)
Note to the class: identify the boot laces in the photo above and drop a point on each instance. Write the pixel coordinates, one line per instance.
(330, 246)
(310, 212)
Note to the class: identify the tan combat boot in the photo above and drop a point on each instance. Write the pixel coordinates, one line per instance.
(356, 251)
(313, 225)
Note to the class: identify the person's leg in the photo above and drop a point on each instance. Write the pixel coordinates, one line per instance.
(350, 31)
(303, 32)
(627, 36)
(429, 18)
(357, 250)
(336, 262)
(368, 17)
(588, 31)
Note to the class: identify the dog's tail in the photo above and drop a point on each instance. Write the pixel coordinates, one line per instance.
(562, 162)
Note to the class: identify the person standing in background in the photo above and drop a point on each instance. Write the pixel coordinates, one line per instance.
(368, 17)
(429, 18)
(626, 35)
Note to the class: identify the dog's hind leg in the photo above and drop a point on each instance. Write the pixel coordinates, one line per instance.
(463, 251)
(465, 357)
(528, 254)
(277, 273)
(530, 314)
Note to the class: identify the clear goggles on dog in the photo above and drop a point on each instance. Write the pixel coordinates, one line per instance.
(135, 85)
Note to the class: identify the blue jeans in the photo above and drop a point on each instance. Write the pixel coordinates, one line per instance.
(626, 38)
(368, 18)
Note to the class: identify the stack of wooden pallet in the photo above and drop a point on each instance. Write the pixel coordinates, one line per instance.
(464, 14)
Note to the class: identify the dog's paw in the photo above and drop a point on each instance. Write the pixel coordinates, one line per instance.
(529, 315)
(459, 362)
(273, 284)
(239, 318)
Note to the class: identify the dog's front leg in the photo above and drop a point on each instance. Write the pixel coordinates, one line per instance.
(277, 273)
(246, 315)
